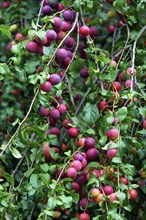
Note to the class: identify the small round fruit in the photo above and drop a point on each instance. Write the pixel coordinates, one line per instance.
(111, 29)
(128, 83)
(85, 30)
(46, 10)
(110, 14)
(92, 153)
(89, 142)
(94, 192)
(77, 165)
(19, 37)
(131, 71)
(73, 132)
(84, 72)
(61, 54)
(144, 124)
(46, 87)
(83, 203)
(143, 173)
(99, 198)
(124, 180)
(80, 142)
(71, 172)
(113, 197)
(75, 186)
(103, 105)
(113, 133)
(54, 113)
(51, 35)
(108, 190)
(54, 79)
(112, 152)
(44, 111)
(84, 216)
(32, 47)
(93, 32)
(68, 15)
(13, 28)
(133, 194)
(62, 109)
(116, 86)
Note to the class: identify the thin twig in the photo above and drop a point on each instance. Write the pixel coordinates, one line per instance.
(22, 158)
(74, 24)
(132, 129)
(64, 75)
(91, 40)
(126, 44)
(32, 210)
(69, 87)
(21, 123)
(74, 53)
(114, 38)
(39, 14)
(134, 52)
(88, 91)
(25, 174)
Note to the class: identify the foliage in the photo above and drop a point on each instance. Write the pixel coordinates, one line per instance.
(98, 90)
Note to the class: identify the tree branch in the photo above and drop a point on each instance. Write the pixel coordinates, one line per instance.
(74, 24)
(21, 123)
(39, 14)
(134, 52)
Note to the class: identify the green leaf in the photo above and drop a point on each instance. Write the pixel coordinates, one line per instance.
(53, 184)
(16, 49)
(45, 178)
(76, 5)
(34, 25)
(142, 111)
(52, 203)
(15, 153)
(90, 113)
(94, 181)
(4, 203)
(121, 113)
(45, 167)
(110, 119)
(4, 69)
(75, 197)
(5, 30)
(49, 213)
(48, 51)
(41, 34)
(66, 200)
(93, 165)
(34, 180)
(90, 131)
(68, 153)
(117, 160)
(9, 178)
(110, 146)
(53, 140)
(121, 195)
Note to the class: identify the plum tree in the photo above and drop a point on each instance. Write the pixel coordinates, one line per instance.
(73, 119)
